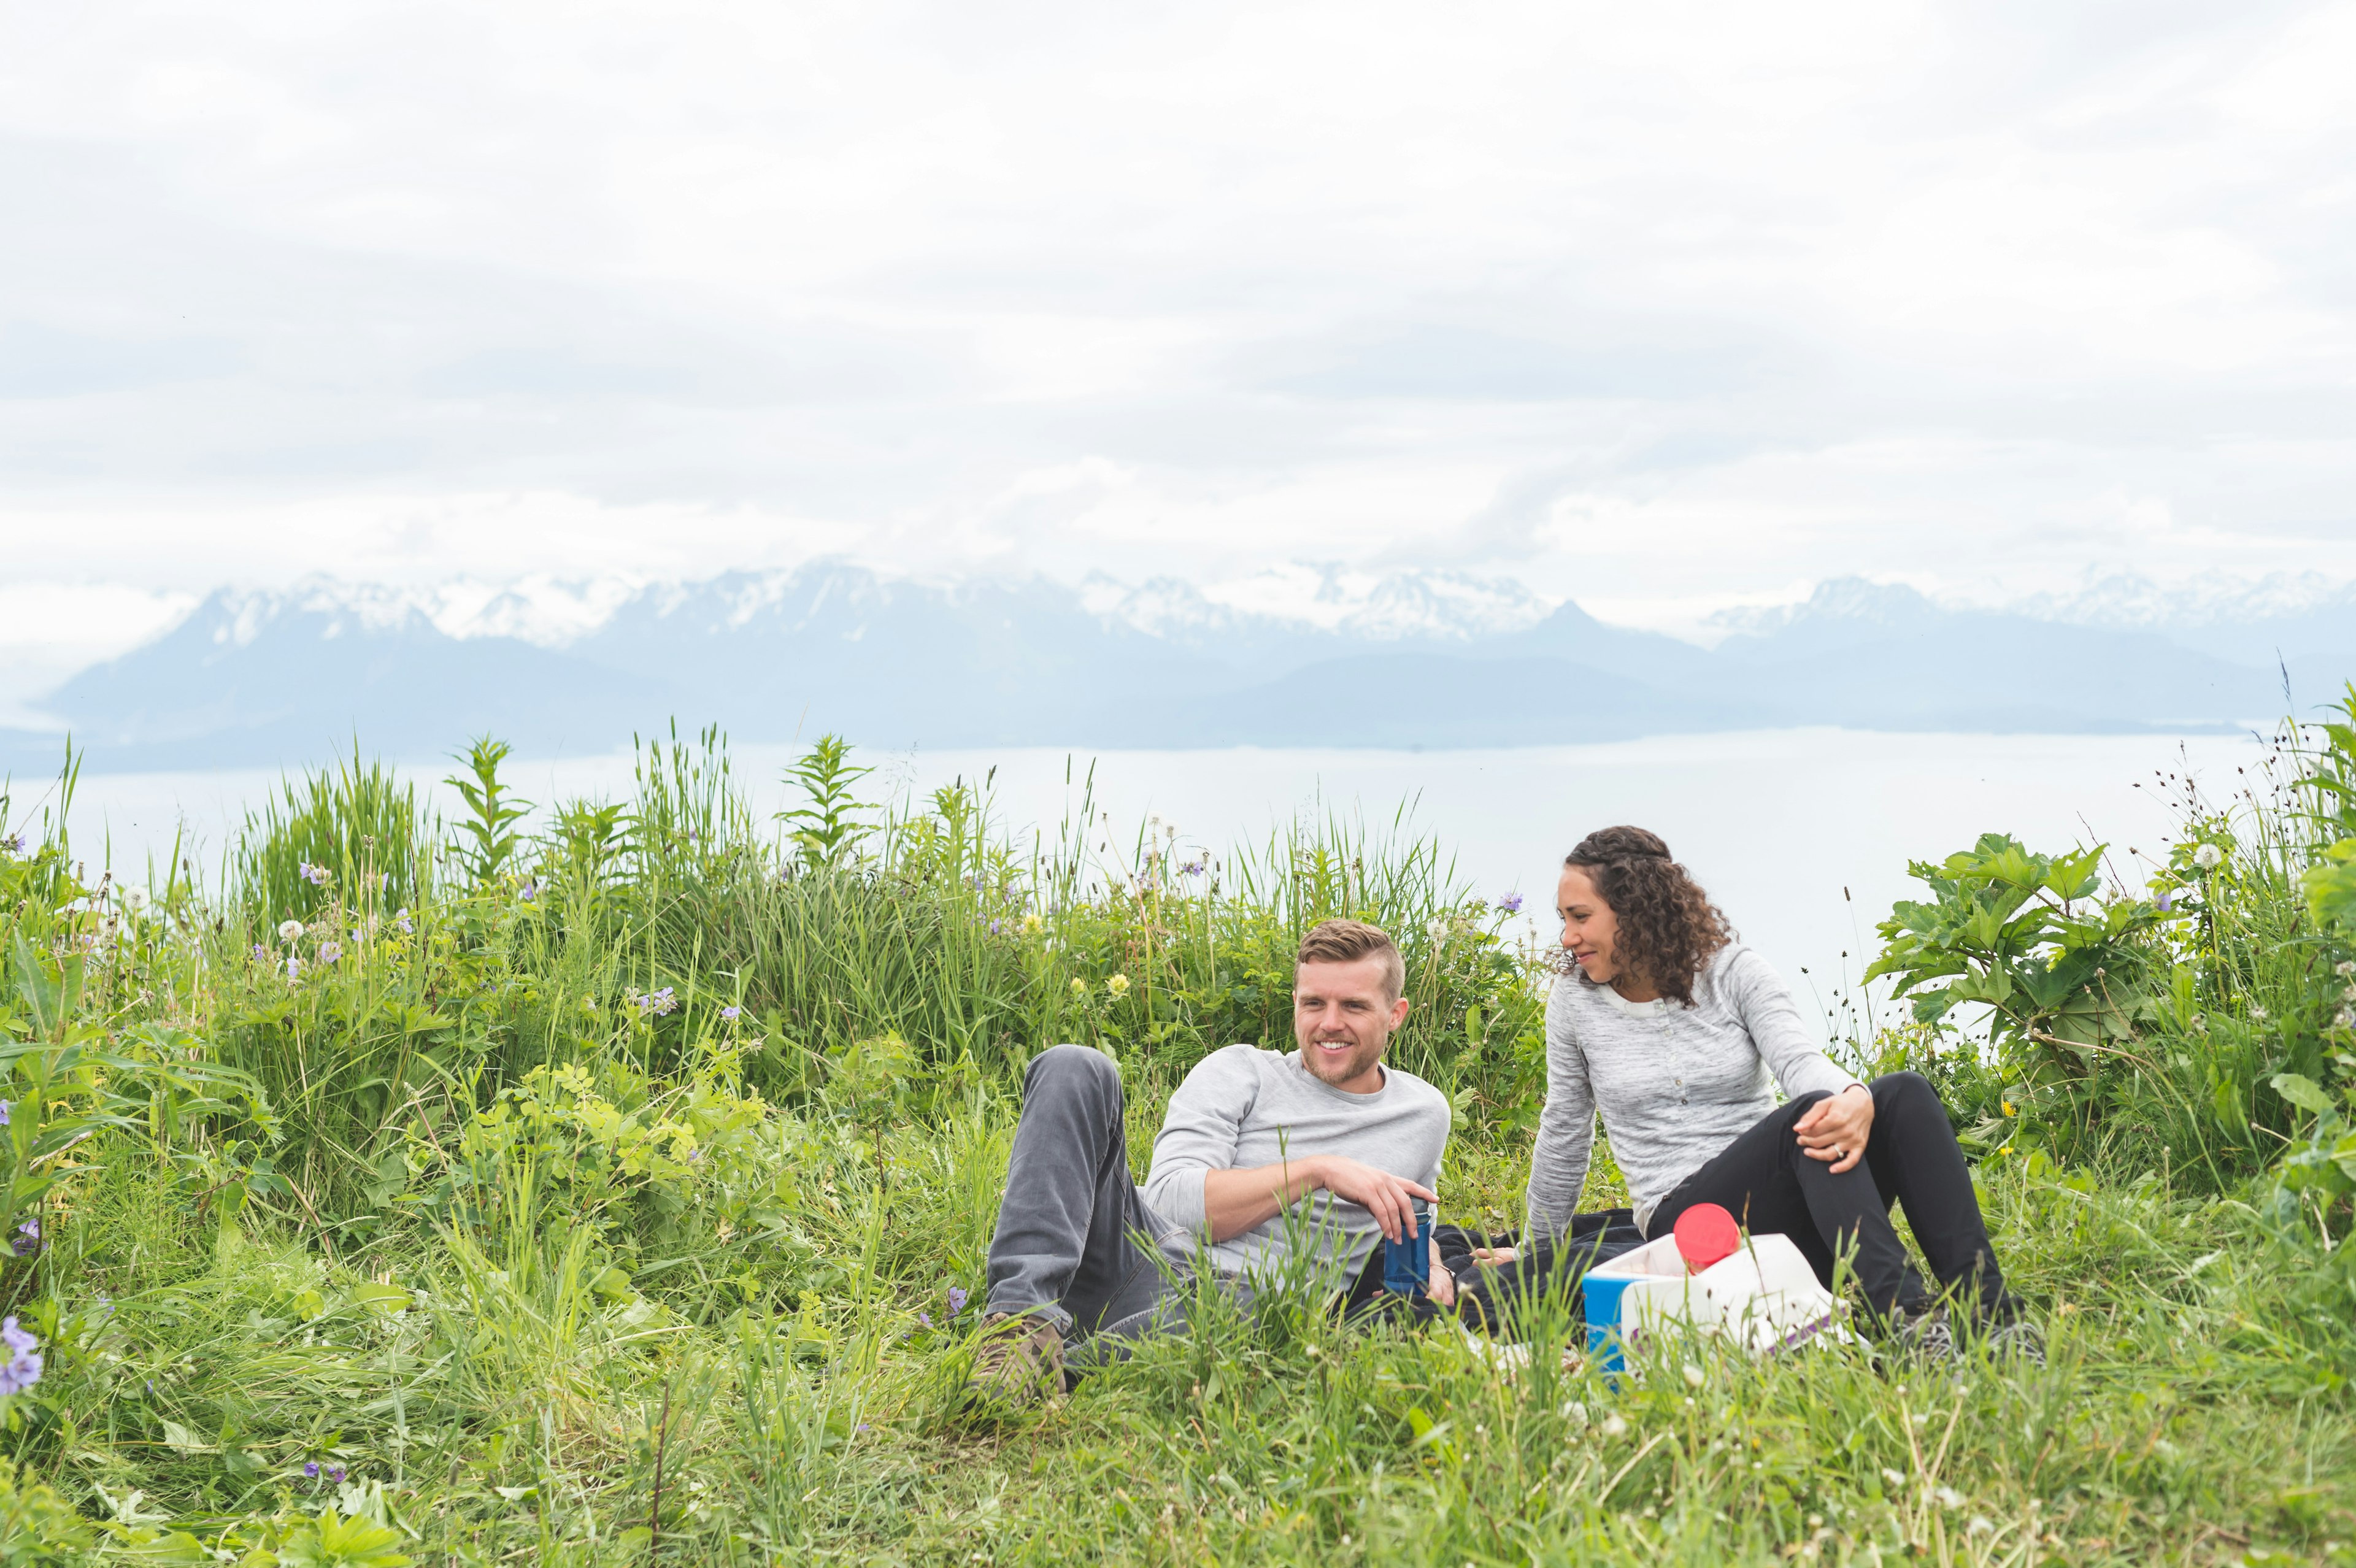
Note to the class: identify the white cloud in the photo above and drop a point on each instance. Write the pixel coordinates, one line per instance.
(1660, 306)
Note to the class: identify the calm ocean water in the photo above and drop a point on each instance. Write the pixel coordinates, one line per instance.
(1802, 835)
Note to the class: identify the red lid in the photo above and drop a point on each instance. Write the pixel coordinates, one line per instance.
(1705, 1234)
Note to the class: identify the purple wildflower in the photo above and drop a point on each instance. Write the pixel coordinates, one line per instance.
(529, 891)
(732, 1013)
(27, 1239)
(336, 1474)
(261, 954)
(311, 1468)
(1510, 904)
(4, 1113)
(330, 951)
(23, 1368)
(14, 844)
(2164, 900)
(993, 928)
(957, 1300)
(294, 968)
(926, 1319)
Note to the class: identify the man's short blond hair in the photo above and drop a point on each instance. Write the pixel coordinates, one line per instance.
(1347, 940)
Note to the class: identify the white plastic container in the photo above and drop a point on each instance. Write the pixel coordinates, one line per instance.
(1765, 1297)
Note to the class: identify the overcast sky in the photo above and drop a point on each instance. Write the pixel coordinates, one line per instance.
(1657, 305)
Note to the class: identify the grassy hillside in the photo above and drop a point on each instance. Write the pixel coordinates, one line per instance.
(617, 1191)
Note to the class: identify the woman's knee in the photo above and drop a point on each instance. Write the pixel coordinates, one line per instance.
(1902, 1089)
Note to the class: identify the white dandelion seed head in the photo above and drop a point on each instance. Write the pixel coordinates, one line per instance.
(288, 930)
(2208, 857)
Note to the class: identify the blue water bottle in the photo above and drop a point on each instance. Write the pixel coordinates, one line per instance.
(1407, 1263)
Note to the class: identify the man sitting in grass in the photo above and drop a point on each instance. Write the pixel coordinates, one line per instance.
(1081, 1251)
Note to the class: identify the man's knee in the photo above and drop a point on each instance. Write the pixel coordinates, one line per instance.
(1076, 1067)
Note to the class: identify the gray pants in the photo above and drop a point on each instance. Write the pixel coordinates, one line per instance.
(1075, 1243)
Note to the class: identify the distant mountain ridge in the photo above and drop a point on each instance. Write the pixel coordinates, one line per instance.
(1413, 659)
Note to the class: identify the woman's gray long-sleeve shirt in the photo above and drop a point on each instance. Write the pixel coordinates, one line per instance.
(1673, 1084)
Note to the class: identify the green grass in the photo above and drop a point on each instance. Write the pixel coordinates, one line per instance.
(555, 1274)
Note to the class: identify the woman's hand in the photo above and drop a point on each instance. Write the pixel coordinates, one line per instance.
(1441, 1287)
(1836, 1129)
(1494, 1257)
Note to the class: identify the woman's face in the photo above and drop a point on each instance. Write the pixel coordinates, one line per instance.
(1589, 926)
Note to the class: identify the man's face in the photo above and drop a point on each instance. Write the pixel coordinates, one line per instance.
(1342, 1021)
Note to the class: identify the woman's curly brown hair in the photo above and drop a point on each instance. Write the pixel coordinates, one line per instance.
(1668, 927)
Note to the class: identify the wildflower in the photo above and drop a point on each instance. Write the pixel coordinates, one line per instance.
(926, 1319)
(1948, 1496)
(1979, 1525)
(335, 1473)
(27, 1239)
(261, 954)
(1118, 986)
(2258, 1015)
(1693, 1375)
(311, 1468)
(2345, 969)
(1079, 987)
(401, 919)
(957, 1300)
(2009, 1110)
(1615, 1425)
(133, 900)
(1510, 904)
(2208, 857)
(732, 1013)
(317, 875)
(1892, 1476)
(330, 951)
(23, 1368)
(1033, 924)
(13, 845)
(4, 1113)
(289, 930)
(993, 928)
(294, 968)
(2164, 900)
(529, 891)
(1437, 930)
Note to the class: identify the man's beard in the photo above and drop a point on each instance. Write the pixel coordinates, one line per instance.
(1320, 1066)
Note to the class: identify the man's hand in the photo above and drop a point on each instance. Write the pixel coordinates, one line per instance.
(1836, 1130)
(1390, 1199)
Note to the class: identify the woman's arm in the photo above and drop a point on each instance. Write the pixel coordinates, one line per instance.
(1565, 1127)
(1764, 1003)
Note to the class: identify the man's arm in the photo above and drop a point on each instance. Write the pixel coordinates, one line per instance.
(1235, 1200)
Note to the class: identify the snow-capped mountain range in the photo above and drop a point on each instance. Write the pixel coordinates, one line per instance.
(1299, 655)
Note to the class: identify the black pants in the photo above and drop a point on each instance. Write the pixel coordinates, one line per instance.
(1768, 1182)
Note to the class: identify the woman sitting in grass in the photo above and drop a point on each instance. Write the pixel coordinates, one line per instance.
(1671, 1030)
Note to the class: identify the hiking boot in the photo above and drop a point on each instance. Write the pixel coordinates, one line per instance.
(1018, 1360)
(2020, 1339)
(1927, 1336)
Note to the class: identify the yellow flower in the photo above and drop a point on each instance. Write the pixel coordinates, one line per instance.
(2008, 1109)
(1079, 987)
(1033, 924)
(1118, 985)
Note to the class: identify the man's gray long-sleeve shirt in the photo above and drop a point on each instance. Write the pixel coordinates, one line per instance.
(1673, 1084)
(1243, 1107)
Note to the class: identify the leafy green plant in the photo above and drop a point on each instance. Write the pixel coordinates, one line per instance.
(830, 826)
(492, 811)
